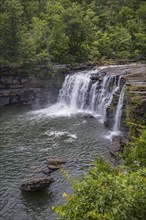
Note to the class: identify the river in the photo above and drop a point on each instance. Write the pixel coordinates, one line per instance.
(27, 139)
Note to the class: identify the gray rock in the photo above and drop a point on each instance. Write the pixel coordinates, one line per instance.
(117, 146)
(14, 99)
(95, 78)
(4, 100)
(27, 96)
(88, 116)
(53, 167)
(56, 161)
(46, 171)
(34, 184)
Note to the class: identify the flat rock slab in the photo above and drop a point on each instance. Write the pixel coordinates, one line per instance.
(53, 167)
(36, 184)
(56, 161)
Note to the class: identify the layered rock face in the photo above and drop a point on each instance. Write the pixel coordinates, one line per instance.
(21, 89)
(134, 78)
(136, 81)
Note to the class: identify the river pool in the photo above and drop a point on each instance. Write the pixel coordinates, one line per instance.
(27, 139)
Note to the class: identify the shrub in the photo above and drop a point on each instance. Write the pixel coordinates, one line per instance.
(106, 193)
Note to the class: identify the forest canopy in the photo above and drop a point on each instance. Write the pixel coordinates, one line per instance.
(67, 31)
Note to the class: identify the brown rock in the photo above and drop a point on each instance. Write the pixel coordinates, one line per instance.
(36, 184)
(56, 161)
(53, 167)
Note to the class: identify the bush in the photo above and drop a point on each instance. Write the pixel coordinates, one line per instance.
(135, 152)
(106, 193)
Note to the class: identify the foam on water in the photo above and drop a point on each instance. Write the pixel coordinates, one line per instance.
(80, 95)
(58, 134)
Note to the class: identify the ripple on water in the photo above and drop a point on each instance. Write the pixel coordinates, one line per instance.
(26, 142)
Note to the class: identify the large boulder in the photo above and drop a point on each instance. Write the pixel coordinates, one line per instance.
(34, 184)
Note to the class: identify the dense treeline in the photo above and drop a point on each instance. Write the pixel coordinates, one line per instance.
(67, 31)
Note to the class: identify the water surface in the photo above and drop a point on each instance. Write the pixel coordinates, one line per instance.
(27, 139)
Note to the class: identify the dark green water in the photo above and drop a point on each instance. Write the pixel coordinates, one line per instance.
(26, 140)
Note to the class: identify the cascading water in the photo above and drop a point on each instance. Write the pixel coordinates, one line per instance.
(111, 85)
(74, 92)
(110, 97)
(79, 94)
(117, 120)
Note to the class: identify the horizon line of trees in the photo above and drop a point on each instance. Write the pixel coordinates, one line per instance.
(68, 31)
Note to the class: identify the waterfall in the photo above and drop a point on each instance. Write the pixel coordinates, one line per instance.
(107, 104)
(107, 95)
(117, 120)
(74, 92)
(81, 94)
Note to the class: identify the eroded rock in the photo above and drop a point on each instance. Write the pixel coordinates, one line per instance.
(117, 147)
(52, 168)
(34, 184)
(56, 161)
(46, 171)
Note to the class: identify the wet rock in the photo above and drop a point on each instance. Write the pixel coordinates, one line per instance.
(4, 100)
(88, 116)
(103, 73)
(56, 161)
(95, 78)
(53, 168)
(117, 146)
(98, 77)
(34, 184)
(14, 99)
(46, 171)
(27, 96)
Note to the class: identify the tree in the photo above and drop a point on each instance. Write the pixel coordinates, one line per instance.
(121, 42)
(69, 34)
(10, 29)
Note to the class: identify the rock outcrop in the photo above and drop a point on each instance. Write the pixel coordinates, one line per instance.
(40, 182)
(52, 162)
(116, 148)
(34, 184)
(20, 88)
(134, 76)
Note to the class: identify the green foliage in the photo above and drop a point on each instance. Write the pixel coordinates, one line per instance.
(10, 30)
(69, 38)
(106, 193)
(135, 152)
(68, 31)
(135, 117)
